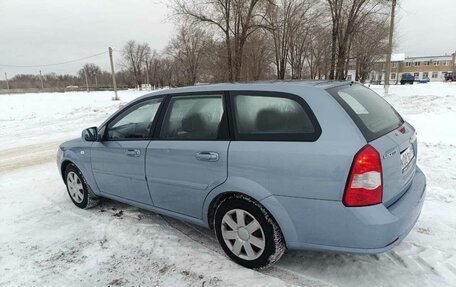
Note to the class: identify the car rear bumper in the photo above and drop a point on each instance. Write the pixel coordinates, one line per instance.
(331, 226)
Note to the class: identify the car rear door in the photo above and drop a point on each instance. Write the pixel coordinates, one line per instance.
(188, 156)
(386, 131)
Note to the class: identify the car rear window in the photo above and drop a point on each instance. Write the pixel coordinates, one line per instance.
(373, 115)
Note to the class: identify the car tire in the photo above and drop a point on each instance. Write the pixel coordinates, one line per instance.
(78, 189)
(247, 232)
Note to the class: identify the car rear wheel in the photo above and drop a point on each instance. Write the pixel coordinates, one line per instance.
(247, 232)
(78, 190)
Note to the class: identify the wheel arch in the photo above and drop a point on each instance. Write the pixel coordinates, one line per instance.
(233, 185)
(255, 192)
(83, 164)
(216, 202)
(63, 167)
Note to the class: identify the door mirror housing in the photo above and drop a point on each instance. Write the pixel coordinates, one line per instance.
(90, 134)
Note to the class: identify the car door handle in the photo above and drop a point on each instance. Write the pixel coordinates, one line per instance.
(133, 152)
(207, 156)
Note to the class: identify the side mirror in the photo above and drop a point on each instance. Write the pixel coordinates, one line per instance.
(90, 134)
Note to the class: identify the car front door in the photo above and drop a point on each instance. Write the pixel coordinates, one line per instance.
(118, 160)
(188, 156)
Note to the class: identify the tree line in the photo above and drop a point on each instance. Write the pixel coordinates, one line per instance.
(249, 40)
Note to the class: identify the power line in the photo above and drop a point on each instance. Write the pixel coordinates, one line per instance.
(54, 64)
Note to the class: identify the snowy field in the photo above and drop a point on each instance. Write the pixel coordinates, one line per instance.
(46, 241)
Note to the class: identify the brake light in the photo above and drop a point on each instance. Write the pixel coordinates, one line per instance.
(364, 184)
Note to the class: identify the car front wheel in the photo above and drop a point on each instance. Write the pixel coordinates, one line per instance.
(247, 232)
(78, 190)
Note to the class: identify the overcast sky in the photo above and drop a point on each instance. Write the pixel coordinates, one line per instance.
(35, 32)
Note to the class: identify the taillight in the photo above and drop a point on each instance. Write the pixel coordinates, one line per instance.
(364, 184)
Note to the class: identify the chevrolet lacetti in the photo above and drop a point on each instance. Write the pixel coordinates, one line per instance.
(315, 165)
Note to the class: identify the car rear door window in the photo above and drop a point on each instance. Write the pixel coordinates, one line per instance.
(193, 117)
(273, 117)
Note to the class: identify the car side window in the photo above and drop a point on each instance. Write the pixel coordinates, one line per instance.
(135, 122)
(270, 117)
(195, 117)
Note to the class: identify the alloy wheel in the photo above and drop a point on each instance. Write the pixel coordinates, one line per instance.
(75, 187)
(243, 234)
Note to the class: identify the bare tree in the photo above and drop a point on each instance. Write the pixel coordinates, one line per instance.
(299, 49)
(214, 66)
(369, 45)
(187, 49)
(135, 56)
(167, 69)
(306, 31)
(288, 22)
(152, 65)
(318, 53)
(258, 58)
(346, 15)
(92, 71)
(235, 19)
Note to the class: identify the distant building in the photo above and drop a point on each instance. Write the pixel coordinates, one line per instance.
(434, 68)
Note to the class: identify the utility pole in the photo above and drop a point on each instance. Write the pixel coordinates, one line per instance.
(7, 84)
(41, 79)
(87, 82)
(115, 98)
(390, 48)
(96, 82)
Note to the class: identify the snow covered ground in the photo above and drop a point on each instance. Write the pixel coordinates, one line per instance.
(35, 118)
(46, 241)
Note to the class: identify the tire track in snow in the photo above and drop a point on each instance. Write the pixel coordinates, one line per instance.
(206, 238)
(109, 208)
(24, 156)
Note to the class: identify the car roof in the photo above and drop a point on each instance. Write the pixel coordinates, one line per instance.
(285, 86)
(278, 85)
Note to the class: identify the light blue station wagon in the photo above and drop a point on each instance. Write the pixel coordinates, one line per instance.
(270, 166)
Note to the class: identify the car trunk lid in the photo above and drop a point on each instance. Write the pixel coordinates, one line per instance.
(397, 151)
(386, 131)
